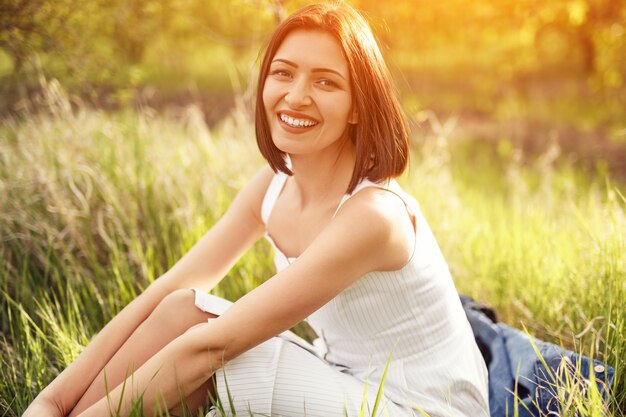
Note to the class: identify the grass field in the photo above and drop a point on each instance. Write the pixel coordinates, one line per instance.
(94, 206)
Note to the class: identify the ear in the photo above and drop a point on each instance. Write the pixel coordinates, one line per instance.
(354, 116)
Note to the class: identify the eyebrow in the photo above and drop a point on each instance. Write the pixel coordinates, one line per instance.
(293, 64)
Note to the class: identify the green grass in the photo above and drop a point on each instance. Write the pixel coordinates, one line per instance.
(95, 206)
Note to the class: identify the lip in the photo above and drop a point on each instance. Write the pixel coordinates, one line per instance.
(296, 115)
(295, 130)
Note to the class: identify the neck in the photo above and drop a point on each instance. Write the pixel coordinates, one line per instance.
(323, 177)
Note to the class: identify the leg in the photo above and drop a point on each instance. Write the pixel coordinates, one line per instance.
(198, 399)
(171, 318)
(278, 378)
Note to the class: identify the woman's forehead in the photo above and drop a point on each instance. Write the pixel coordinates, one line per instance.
(312, 49)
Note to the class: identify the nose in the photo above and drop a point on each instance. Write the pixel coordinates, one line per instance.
(298, 94)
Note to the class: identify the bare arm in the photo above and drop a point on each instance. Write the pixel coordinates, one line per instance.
(362, 238)
(203, 267)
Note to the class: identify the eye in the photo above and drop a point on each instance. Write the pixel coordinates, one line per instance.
(328, 83)
(280, 73)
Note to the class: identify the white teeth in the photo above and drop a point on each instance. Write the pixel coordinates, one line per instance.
(297, 122)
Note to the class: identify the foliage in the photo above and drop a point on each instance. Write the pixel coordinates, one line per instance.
(27, 26)
(105, 50)
(554, 28)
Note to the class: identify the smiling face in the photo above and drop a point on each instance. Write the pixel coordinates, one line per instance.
(307, 95)
(335, 36)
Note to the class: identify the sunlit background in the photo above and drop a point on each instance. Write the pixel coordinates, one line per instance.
(527, 71)
(126, 128)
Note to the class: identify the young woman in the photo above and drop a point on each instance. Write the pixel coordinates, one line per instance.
(353, 253)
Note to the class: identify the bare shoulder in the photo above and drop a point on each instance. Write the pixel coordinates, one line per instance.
(250, 198)
(381, 217)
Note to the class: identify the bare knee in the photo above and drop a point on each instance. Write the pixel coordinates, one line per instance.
(178, 308)
(176, 300)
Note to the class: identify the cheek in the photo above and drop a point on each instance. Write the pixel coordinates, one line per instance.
(341, 108)
(269, 95)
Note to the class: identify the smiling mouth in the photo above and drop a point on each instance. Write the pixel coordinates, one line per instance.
(297, 123)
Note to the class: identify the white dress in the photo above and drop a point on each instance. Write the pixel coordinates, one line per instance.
(412, 315)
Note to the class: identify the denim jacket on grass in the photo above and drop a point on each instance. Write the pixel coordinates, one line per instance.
(516, 371)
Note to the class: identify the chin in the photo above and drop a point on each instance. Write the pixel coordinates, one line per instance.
(286, 145)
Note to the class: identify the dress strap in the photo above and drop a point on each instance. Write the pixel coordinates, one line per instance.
(389, 185)
(271, 195)
(362, 185)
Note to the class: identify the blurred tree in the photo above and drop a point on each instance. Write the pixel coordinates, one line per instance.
(27, 26)
(237, 23)
(601, 13)
(573, 24)
(136, 23)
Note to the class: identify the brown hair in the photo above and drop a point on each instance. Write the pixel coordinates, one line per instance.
(380, 136)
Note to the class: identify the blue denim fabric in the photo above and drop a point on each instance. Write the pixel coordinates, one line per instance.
(516, 371)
